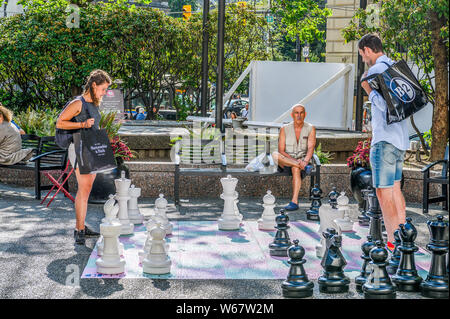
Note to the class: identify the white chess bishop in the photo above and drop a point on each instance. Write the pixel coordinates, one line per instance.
(110, 261)
(344, 222)
(229, 220)
(122, 197)
(134, 213)
(327, 216)
(267, 220)
(160, 210)
(151, 223)
(157, 261)
(110, 209)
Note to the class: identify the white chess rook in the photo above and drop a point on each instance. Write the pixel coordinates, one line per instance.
(122, 186)
(157, 261)
(229, 220)
(110, 261)
(327, 215)
(160, 210)
(134, 214)
(345, 223)
(267, 220)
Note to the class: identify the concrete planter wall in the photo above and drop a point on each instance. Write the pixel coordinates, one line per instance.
(157, 177)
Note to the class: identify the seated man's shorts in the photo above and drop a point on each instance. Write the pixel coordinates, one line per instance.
(387, 164)
(288, 169)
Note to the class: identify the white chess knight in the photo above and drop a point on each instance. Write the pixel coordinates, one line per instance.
(110, 262)
(160, 210)
(151, 223)
(344, 222)
(327, 216)
(111, 209)
(122, 197)
(134, 214)
(157, 261)
(229, 220)
(267, 220)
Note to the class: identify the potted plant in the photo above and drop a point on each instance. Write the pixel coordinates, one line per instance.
(104, 182)
(361, 174)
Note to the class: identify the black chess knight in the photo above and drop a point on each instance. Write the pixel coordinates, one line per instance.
(394, 261)
(365, 271)
(333, 262)
(406, 277)
(436, 283)
(378, 285)
(297, 284)
(315, 196)
(281, 241)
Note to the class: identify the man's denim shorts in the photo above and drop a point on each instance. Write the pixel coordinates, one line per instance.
(387, 164)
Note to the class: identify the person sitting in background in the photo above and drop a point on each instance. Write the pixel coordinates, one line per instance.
(233, 115)
(11, 151)
(22, 132)
(244, 112)
(140, 115)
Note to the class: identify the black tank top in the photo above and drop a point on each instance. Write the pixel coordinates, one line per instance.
(88, 110)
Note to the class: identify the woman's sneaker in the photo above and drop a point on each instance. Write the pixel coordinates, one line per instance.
(80, 237)
(90, 233)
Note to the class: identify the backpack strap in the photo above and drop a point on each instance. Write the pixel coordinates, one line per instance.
(370, 77)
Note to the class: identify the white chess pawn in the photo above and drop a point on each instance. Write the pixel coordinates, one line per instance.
(267, 220)
(134, 213)
(151, 223)
(160, 210)
(110, 217)
(110, 261)
(229, 220)
(157, 261)
(327, 215)
(122, 197)
(344, 222)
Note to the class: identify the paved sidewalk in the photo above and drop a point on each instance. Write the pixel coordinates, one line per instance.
(38, 257)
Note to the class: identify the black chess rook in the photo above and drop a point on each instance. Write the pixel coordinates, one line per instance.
(378, 285)
(333, 279)
(281, 241)
(406, 277)
(436, 283)
(297, 284)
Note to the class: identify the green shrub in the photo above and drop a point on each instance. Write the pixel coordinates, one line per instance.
(38, 122)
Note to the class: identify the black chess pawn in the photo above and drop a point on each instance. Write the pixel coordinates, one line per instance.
(315, 196)
(281, 242)
(375, 216)
(406, 277)
(365, 271)
(332, 198)
(436, 283)
(297, 284)
(394, 261)
(363, 219)
(333, 279)
(378, 285)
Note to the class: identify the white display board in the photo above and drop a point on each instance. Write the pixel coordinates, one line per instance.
(275, 86)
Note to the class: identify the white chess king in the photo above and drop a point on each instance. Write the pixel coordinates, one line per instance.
(267, 220)
(122, 197)
(229, 220)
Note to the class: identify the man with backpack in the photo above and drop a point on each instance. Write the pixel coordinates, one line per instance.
(389, 141)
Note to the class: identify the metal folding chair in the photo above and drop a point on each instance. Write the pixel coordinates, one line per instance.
(56, 183)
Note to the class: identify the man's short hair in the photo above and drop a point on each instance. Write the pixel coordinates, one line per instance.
(371, 41)
(295, 105)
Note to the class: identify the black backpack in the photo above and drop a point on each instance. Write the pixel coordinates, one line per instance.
(401, 90)
(63, 138)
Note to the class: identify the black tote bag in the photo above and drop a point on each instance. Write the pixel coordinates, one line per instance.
(401, 90)
(93, 151)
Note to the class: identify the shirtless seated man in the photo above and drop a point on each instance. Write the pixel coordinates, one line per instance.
(296, 145)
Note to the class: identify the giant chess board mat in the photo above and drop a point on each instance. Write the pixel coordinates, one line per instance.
(199, 250)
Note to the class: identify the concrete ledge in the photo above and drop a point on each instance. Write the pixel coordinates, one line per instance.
(158, 177)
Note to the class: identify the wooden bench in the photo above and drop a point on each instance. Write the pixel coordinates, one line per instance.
(47, 156)
(192, 154)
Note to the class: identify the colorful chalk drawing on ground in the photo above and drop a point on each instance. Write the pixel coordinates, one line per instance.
(198, 250)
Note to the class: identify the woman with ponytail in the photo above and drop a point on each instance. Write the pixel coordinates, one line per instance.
(83, 112)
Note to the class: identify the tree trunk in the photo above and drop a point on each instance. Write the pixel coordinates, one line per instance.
(439, 128)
